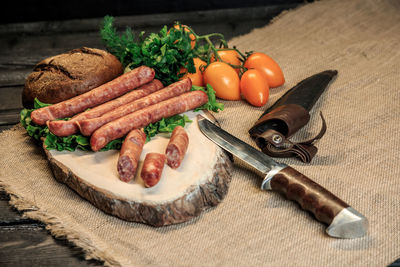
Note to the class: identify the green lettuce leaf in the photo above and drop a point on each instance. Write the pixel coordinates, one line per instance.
(69, 143)
(212, 103)
(78, 141)
(166, 125)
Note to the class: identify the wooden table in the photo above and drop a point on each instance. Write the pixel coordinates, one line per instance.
(25, 242)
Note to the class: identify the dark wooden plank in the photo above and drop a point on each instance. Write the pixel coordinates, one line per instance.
(47, 10)
(10, 216)
(25, 242)
(50, 10)
(10, 117)
(57, 34)
(151, 22)
(31, 245)
(5, 127)
(10, 76)
(10, 105)
(24, 60)
(4, 195)
(44, 46)
(10, 97)
(395, 263)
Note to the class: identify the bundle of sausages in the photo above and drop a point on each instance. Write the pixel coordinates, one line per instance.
(153, 164)
(115, 109)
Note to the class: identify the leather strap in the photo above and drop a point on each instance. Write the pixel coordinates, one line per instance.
(274, 144)
(286, 119)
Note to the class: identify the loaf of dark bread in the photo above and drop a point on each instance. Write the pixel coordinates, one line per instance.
(70, 74)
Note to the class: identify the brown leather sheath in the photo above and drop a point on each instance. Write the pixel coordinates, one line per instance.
(286, 119)
(271, 133)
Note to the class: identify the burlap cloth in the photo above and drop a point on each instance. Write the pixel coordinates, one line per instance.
(358, 159)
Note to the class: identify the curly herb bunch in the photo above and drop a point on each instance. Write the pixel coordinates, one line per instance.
(167, 52)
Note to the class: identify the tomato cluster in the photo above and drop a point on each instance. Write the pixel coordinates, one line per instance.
(261, 72)
(233, 75)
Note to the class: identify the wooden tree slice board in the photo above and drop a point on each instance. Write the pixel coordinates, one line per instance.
(199, 183)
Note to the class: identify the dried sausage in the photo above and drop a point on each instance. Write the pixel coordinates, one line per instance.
(151, 114)
(99, 95)
(177, 146)
(153, 166)
(66, 128)
(87, 127)
(118, 128)
(130, 154)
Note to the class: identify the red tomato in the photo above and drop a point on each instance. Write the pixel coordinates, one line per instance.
(229, 56)
(224, 80)
(254, 87)
(197, 77)
(268, 67)
(191, 36)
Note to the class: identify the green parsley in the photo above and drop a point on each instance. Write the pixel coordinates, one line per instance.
(166, 52)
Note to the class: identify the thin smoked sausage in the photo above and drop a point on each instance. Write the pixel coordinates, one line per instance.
(177, 146)
(66, 128)
(151, 114)
(87, 127)
(130, 154)
(94, 97)
(153, 166)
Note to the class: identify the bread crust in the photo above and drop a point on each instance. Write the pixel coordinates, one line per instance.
(64, 76)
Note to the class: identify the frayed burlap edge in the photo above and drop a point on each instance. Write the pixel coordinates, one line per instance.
(54, 225)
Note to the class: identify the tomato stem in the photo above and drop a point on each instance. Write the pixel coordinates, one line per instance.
(212, 50)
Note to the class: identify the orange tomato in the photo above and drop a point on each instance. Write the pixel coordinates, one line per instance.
(191, 36)
(224, 80)
(268, 67)
(197, 77)
(229, 56)
(254, 87)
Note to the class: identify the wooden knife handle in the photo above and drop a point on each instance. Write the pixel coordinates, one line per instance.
(310, 195)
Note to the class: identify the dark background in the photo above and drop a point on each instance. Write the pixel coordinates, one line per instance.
(45, 10)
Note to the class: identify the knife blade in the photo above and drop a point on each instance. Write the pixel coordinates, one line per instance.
(343, 221)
